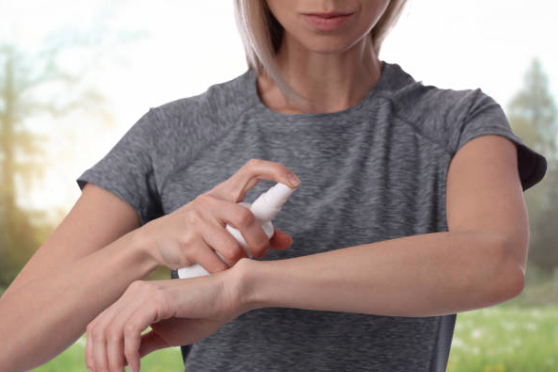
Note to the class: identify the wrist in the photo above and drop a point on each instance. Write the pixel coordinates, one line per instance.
(140, 247)
(245, 282)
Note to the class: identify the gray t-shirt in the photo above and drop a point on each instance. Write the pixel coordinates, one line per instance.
(372, 172)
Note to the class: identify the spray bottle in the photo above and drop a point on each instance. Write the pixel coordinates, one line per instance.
(264, 208)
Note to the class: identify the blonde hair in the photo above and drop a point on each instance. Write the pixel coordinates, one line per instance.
(261, 35)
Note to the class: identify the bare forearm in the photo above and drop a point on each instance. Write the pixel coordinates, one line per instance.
(422, 275)
(43, 317)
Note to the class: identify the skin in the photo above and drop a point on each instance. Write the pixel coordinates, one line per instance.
(183, 311)
(337, 69)
(95, 261)
(325, 66)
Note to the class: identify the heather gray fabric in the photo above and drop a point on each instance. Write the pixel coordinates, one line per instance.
(373, 172)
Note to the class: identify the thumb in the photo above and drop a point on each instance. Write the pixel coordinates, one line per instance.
(151, 342)
(280, 240)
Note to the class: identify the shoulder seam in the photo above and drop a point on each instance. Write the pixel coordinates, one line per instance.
(226, 128)
(417, 130)
(153, 112)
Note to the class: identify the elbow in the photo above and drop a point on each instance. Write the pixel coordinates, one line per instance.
(499, 276)
(515, 256)
(511, 280)
(516, 283)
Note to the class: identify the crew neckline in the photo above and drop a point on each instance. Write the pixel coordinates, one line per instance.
(259, 106)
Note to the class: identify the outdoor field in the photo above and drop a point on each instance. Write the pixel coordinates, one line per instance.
(497, 339)
(153, 100)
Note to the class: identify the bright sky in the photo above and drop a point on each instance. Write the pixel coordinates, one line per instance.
(190, 45)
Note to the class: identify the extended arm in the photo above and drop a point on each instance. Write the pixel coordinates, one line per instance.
(479, 262)
(421, 275)
(43, 313)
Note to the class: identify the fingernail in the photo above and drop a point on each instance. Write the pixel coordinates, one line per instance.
(294, 179)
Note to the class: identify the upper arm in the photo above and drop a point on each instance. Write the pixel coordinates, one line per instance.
(484, 193)
(97, 219)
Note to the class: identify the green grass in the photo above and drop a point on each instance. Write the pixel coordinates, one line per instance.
(505, 338)
(72, 360)
(502, 338)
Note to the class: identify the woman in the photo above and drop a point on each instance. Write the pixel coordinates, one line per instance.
(410, 210)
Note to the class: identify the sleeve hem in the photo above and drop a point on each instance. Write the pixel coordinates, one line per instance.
(532, 166)
(89, 177)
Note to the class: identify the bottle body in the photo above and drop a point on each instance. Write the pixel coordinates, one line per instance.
(197, 270)
(265, 208)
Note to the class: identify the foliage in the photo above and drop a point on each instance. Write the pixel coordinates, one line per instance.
(535, 107)
(24, 78)
(534, 118)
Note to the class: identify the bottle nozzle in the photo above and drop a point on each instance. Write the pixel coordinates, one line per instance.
(268, 204)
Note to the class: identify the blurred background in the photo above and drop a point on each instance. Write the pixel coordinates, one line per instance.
(76, 75)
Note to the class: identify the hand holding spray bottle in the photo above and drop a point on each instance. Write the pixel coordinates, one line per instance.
(264, 208)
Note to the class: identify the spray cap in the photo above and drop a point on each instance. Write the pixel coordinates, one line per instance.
(268, 204)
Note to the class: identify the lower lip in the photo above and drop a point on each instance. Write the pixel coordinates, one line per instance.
(327, 24)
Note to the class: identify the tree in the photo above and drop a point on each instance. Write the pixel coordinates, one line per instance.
(534, 106)
(22, 75)
(533, 117)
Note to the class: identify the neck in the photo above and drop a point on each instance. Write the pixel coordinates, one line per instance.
(332, 82)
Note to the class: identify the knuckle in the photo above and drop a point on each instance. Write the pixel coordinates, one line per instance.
(130, 329)
(193, 218)
(148, 288)
(129, 352)
(231, 252)
(187, 238)
(114, 366)
(261, 248)
(204, 199)
(199, 198)
(254, 162)
(283, 167)
(231, 247)
(135, 285)
(113, 334)
(97, 333)
(244, 217)
(133, 327)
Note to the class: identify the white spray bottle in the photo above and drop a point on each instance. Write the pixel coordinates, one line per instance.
(264, 208)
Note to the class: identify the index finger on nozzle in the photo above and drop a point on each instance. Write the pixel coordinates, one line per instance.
(236, 187)
(293, 179)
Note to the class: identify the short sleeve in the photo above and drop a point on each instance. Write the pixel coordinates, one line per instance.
(485, 116)
(127, 170)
